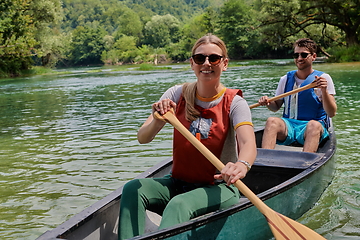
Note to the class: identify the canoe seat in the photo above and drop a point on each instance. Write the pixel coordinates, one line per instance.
(285, 159)
(152, 221)
(288, 148)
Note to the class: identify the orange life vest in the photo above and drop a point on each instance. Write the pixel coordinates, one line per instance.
(188, 163)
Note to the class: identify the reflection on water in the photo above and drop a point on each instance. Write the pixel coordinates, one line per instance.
(339, 208)
(67, 141)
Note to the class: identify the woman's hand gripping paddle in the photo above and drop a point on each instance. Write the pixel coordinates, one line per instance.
(310, 85)
(281, 226)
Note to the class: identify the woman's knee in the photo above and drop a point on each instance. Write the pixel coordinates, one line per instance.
(175, 212)
(131, 188)
(178, 203)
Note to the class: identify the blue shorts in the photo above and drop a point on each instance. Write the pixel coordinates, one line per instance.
(296, 131)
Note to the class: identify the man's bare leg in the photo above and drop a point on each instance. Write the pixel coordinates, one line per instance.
(275, 128)
(312, 136)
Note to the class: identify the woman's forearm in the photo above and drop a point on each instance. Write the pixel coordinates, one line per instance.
(149, 129)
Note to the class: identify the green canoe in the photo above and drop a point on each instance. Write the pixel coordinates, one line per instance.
(288, 180)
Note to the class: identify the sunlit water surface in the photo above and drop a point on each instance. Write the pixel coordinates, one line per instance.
(69, 140)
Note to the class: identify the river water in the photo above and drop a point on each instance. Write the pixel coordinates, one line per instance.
(68, 140)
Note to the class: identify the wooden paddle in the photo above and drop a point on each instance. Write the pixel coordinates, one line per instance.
(310, 85)
(282, 227)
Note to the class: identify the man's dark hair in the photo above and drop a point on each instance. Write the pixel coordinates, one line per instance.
(306, 43)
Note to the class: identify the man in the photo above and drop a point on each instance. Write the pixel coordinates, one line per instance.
(306, 113)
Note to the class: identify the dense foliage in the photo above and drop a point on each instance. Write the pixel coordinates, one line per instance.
(326, 21)
(26, 27)
(76, 32)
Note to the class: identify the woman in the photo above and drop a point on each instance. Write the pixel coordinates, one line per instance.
(211, 112)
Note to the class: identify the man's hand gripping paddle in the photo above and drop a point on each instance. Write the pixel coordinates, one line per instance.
(310, 85)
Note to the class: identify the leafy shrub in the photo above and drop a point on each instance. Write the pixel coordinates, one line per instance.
(345, 54)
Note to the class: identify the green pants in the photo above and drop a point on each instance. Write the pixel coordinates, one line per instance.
(174, 200)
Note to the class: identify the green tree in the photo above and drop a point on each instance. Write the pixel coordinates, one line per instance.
(52, 47)
(236, 26)
(124, 50)
(181, 9)
(144, 13)
(51, 42)
(22, 23)
(201, 24)
(161, 31)
(284, 19)
(16, 37)
(87, 45)
(129, 24)
(195, 28)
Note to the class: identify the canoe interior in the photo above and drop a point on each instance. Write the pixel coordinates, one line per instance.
(274, 167)
(274, 171)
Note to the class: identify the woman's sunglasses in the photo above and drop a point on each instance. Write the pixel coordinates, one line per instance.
(303, 55)
(214, 59)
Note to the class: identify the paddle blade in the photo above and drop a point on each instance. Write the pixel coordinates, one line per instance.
(285, 228)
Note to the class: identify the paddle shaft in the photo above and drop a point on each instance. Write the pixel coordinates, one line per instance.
(310, 85)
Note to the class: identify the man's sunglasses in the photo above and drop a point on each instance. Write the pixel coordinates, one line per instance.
(303, 55)
(214, 59)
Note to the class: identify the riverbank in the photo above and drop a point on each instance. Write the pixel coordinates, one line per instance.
(38, 70)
